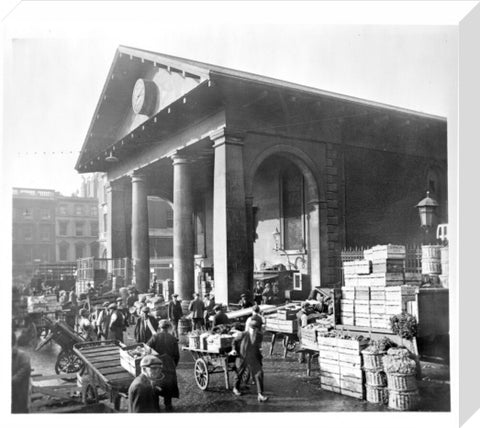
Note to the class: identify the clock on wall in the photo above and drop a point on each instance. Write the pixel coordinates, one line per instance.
(144, 97)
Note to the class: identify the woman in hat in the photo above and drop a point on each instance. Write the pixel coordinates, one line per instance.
(167, 348)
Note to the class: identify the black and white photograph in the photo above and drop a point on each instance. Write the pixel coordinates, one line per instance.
(228, 208)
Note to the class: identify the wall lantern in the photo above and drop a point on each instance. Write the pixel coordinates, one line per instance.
(276, 237)
(426, 208)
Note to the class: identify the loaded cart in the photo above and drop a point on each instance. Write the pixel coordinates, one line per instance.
(62, 334)
(208, 363)
(104, 371)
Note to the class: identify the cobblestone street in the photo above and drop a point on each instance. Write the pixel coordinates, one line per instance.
(286, 383)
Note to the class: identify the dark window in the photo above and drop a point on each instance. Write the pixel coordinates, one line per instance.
(63, 252)
(105, 222)
(79, 228)
(94, 228)
(161, 247)
(45, 213)
(28, 232)
(63, 228)
(169, 217)
(292, 210)
(45, 232)
(79, 250)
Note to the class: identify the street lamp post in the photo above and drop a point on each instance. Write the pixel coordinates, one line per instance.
(426, 208)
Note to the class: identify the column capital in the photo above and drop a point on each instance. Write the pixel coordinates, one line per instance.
(180, 159)
(313, 202)
(227, 136)
(114, 185)
(137, 176)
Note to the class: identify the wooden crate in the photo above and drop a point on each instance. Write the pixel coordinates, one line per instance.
(347, 320)
(388, 266)
(355, 345)
(362, 307)
(308, 344)
(348, 293)
(362, 293)
(287, 314)
(351, 370)
(385, 252)
(351, 385)
(362, 321)
(377, 294)
(331, 388)
(351, 280)
(346, 305)
(330, 380)
(131, 363)
(357, 267)
(331, 354)
(350, 358)
(328, 367)
(377, 308)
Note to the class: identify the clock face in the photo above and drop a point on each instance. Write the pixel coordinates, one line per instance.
(138, 96)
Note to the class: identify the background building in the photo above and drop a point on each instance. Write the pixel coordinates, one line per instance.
(48, 227)
(33, 230)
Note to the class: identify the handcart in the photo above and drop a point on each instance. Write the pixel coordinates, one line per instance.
(104, 371)
(62, 334)
(208, 363)
(289, 341)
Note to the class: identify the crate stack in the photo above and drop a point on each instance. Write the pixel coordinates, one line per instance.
(275, 323)
(374, 288)
(340, 364)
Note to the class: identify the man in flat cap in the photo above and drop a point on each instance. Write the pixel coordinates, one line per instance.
(197, 308)
(245, 301)
(175, 313)
(167, 348)
(248, 346)
(144, 391)
(220, 317)
(116, 323)
(145, 327)
(209, 303)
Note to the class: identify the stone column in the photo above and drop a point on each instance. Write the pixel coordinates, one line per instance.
(230, 252)
(314, 242)
(183, 231)
(116, 232)
(250, 239)
(140, 242)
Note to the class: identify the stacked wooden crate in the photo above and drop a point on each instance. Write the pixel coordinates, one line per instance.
(340, 364)
(273, 323)
(374, 288)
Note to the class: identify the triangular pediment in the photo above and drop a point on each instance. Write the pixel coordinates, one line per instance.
(165, 79)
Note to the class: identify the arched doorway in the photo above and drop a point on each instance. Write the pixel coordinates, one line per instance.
(286, 216)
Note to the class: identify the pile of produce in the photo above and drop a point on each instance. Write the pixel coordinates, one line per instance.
(398, 360)
(138, 352)
(380, 346)
(404, 325)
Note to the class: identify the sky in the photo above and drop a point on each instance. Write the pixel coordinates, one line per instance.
(56, 66)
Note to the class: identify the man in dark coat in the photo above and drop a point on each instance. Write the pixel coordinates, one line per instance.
(245, 302)
(197, 308)
(20, 378)
(167, 348)
(145, 327)
(116, 324)
(144, 392)
(220, 317)
(174, 313)
(248, 346)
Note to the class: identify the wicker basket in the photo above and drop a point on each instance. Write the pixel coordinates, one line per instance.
(401, 382)
(377, 394)
(373, 361)
(403, 400)
(375, 378)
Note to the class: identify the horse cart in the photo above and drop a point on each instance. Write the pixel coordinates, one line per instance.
(208, 363)
(62, 334)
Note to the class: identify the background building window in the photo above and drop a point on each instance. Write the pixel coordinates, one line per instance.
(28, 232)
(105, 222)
(45, 213)
(62, 209)
(79, 228)
(94, 228)
(161, 247)
(94, 249)
(79, 250)
(63, 252)
(45, 232)
(78, 210)
(63, 228)
(93, 210)
(169, 217)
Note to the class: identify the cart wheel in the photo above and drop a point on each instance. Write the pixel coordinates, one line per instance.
(68, 362)
(201, 374)
(89, 394)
